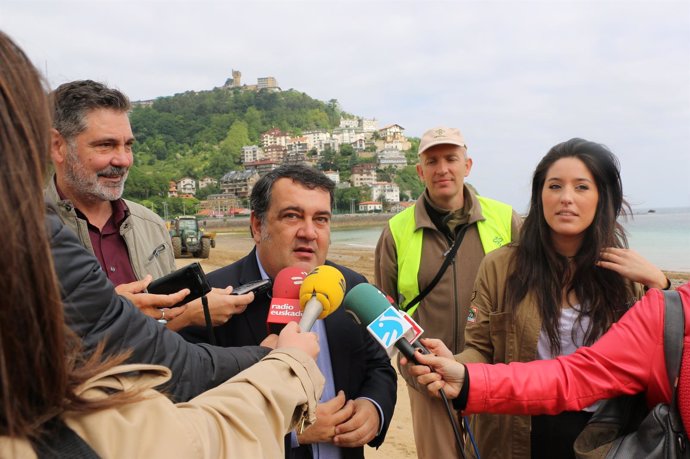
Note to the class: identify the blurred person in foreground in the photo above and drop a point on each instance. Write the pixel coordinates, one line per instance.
(54, 398)
(291, 225)
(627, 359)
(92, 152)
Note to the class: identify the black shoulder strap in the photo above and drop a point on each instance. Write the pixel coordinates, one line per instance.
(674, 332)
(61, 442)
(207, 320)
(449, 256)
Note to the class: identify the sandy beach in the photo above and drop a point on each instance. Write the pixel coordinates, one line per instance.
(399, 442)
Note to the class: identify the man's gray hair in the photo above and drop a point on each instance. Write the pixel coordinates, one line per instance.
(74, 100)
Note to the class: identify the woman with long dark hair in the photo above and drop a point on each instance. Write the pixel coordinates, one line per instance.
(560, 287)
(53, 398)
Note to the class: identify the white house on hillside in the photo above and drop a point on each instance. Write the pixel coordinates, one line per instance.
(392, 133)
(391, 158)
(207, 181)
(186, 185)
(274, 137)
(385, 191)
(363, 174)
(370, 206)
(251, 153)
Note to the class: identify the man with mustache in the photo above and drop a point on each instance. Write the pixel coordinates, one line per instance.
(91, 149)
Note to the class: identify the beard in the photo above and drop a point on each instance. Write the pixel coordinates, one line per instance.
(86, 184)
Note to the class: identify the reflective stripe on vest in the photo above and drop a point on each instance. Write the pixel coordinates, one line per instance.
(494, 232)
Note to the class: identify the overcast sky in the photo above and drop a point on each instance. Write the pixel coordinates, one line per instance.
(516, 77)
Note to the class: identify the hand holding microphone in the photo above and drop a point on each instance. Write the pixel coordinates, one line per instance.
(320, 294)
(437, 370)
(391, 328)
(292, 336)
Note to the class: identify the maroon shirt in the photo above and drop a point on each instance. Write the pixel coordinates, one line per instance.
(109, 246)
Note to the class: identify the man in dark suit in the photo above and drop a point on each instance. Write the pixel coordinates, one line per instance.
(290, 223)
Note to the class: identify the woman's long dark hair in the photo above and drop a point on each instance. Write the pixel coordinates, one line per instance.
(538, 269)
(40, 360)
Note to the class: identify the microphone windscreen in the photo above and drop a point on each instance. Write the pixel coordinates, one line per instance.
(327, 284)
(284, 305)
(287, 282)
(366, 303)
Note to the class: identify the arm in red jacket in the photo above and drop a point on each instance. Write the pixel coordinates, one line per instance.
(628, 359)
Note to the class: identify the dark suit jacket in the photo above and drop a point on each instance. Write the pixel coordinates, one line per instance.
(361, 367)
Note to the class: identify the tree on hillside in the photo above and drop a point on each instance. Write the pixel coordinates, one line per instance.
(346, 150)
(411, 187)
(255, 125)
(228, 155)
(316, 119)
(141, 185)
(237, 137)
(387, 174)
(328, 160)
(348, 198)
(333, 111)
(204, 192)
(411, 154)
(216, 128)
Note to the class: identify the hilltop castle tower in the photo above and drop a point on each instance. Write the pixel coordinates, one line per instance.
(235, 81)
(236, 78)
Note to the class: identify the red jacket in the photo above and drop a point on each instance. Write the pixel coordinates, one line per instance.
(628, 359)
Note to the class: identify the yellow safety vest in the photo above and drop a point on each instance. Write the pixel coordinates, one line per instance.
(494, 232)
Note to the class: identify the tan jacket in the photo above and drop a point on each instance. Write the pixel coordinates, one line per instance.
(498, 336)
(146, 237)
(443, 313)
(245, 417)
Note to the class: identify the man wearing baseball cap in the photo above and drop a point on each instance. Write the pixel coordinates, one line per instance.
(428, 256)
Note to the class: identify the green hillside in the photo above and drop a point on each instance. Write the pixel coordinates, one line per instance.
(199, 134)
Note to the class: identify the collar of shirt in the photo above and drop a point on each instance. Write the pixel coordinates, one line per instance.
(108, 245)
(120, 209)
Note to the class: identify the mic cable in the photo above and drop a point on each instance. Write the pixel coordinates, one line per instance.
(453, 422)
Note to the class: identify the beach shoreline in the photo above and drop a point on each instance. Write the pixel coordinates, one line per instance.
(233, 243)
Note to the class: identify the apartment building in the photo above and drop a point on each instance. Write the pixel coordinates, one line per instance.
(239, 183)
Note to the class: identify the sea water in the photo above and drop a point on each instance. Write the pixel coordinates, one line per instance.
(662, 237)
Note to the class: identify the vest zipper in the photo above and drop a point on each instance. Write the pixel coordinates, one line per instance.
(157, 251)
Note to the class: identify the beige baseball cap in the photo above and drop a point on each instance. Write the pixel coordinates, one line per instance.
(441, 136)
